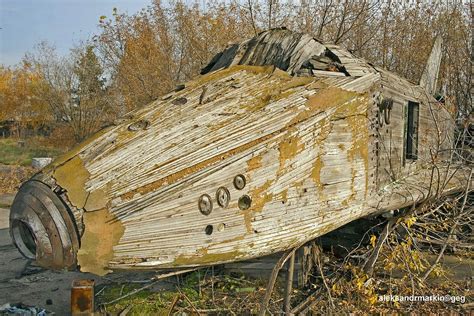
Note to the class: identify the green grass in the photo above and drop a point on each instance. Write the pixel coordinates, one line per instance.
(13, 154)
(226, 293)
(142, 303)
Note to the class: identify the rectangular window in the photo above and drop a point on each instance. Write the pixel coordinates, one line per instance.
(411, 142)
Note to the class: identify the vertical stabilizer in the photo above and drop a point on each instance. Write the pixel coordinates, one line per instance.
(430, 74)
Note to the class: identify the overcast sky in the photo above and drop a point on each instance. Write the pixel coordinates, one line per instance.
(24, 23)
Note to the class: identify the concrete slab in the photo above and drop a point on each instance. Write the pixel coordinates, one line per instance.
(6, 199)
(4, 221)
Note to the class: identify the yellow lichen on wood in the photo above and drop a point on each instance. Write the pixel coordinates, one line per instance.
(316, 85)
(203, 257)
(254, 163)
(282, 88)
(324, 129)
(316, 173)
(324, 100)
(257, 104)
(358, 124)
(282, 196)
(72, 176)
(260, 196)
(97, 199)
(297, 82)
(288, 148)
(287, 88)
(102, 232)
(223, 123)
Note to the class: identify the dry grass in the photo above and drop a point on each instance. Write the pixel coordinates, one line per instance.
(11, 177)
(20, 152)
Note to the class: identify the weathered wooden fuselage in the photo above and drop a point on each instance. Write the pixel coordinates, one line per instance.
(315, 151)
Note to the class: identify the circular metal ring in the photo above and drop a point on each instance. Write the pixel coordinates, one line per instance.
(239, 182)
(245, 202)
(139, 125)
(205, 204)
(42, 227)
(223, 197)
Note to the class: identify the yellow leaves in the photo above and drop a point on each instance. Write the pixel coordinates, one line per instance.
(410, 221)
(359, 280)
(336, 289)
(438, 271)
(373, 299)
(373, 239)
(389, 266)
(19, 95)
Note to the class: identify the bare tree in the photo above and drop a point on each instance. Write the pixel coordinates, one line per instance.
(73, 87)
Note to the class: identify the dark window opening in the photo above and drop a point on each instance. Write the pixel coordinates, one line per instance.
(209, 229)
(412, 118)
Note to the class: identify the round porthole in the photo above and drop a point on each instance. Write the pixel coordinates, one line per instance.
(223, 197)
(245, 202)
(239, 182)
(139, 125)
(179, 101)
(205, 204)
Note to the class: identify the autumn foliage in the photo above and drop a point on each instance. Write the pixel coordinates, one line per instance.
(135, 58)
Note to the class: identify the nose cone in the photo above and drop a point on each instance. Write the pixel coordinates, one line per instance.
(42, 227)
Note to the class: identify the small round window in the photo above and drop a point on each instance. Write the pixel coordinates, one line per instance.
(205, 204)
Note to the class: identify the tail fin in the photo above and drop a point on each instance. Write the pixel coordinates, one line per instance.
(430, 74)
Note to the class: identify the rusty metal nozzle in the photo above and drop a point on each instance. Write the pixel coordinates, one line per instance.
(42, 227)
